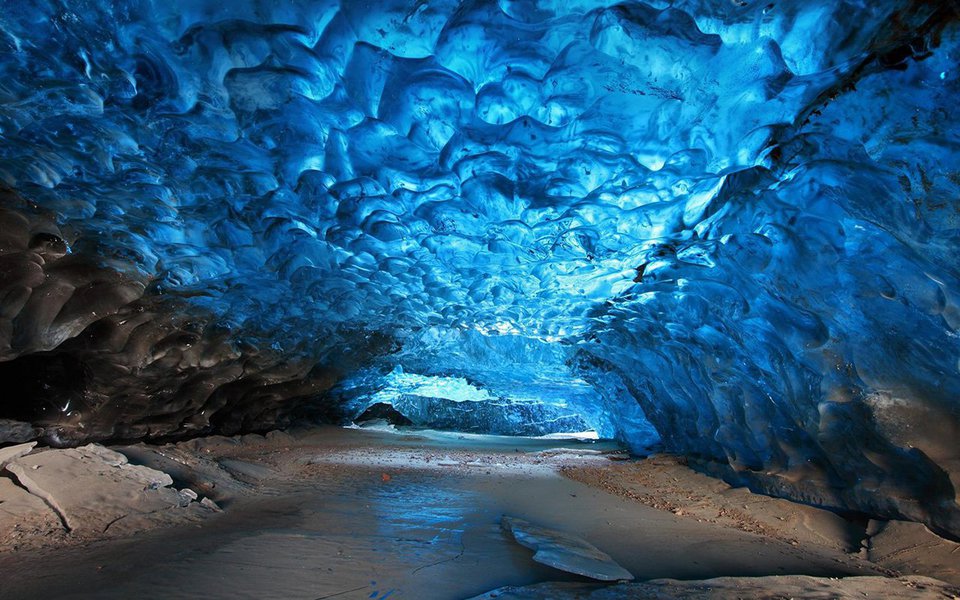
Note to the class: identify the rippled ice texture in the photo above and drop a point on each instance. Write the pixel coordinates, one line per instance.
(742, 217)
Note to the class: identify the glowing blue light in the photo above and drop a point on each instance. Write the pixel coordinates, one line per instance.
(457, 389)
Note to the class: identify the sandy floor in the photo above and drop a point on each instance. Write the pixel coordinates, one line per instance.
(336, 513)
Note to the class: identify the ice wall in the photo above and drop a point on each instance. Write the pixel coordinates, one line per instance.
(740, 218)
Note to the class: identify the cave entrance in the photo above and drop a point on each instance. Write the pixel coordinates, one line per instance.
(479, 382)
(557, 407)
(452, 403)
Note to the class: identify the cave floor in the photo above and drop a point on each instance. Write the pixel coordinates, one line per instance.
(335, 513)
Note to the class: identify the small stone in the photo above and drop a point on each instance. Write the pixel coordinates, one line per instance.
(208, 503)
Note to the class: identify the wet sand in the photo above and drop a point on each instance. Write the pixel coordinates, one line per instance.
(335, 513)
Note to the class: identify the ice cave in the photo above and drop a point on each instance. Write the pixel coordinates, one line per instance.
(479, 299)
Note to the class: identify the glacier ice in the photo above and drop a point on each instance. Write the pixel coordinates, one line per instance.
(729, 225)
(453, 403)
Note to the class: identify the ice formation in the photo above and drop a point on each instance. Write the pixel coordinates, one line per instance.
(737, 221)
(525, 408)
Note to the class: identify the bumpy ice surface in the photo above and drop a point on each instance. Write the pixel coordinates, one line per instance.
(738, 221)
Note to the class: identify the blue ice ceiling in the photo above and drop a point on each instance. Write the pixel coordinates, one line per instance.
(501, 168)
(737, 221)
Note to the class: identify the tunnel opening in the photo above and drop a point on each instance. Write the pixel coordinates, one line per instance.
(453, 404)
(488, 382)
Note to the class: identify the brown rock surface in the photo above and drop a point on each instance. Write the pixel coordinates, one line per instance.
(94, 492)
